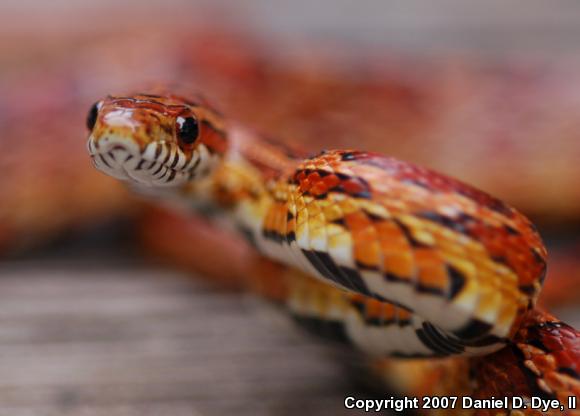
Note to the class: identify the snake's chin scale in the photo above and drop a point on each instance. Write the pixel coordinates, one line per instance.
(123, 159)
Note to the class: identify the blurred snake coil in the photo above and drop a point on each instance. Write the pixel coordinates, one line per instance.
(396, 259)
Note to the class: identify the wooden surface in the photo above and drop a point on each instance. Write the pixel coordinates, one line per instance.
(84, 334)
(93, 330)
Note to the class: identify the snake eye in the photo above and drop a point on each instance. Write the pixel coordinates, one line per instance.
(187, 129)
(92, 116)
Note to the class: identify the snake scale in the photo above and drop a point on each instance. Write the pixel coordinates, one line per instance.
(396, 259)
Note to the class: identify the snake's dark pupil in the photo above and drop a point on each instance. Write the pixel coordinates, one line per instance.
(92, 116)
(187, 129)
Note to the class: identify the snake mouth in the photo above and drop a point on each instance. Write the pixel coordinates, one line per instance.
(158, 164)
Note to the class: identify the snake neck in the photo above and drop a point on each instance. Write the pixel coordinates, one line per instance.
(243, 183)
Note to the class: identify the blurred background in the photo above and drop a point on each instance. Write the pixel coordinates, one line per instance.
(109, 305)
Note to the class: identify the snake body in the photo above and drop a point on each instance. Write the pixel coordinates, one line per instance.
(394, 258)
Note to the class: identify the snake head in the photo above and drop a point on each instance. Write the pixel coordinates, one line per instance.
(154, 140)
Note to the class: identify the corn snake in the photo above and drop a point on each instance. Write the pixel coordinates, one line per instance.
(394, 258)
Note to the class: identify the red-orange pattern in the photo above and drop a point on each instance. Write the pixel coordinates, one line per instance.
(542, 361)
(398, 214)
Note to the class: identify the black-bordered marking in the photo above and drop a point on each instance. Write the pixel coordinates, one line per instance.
(344, 276)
